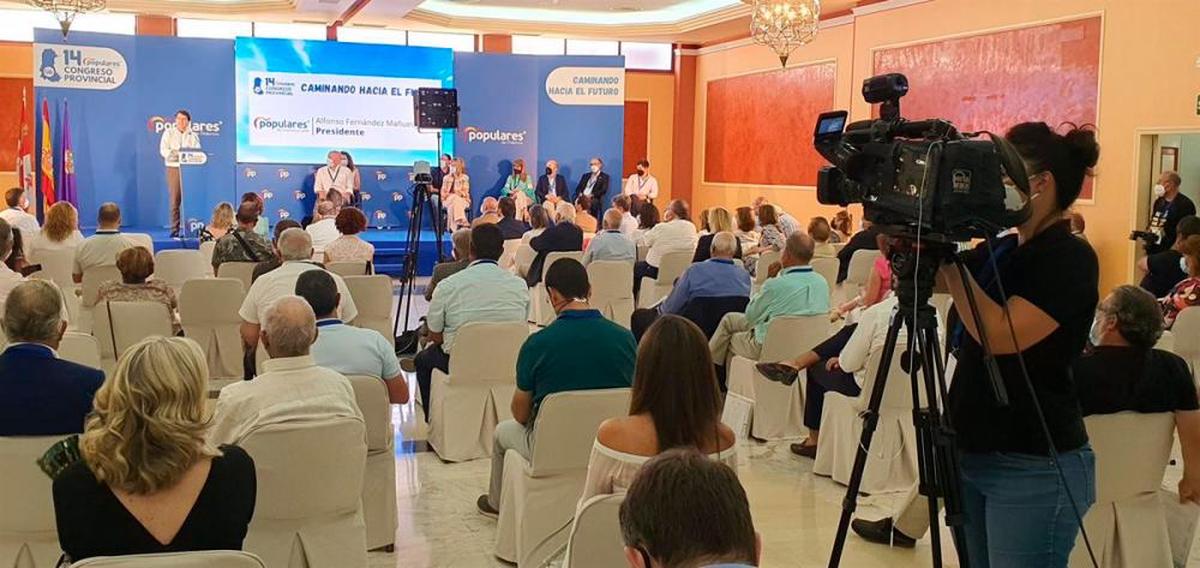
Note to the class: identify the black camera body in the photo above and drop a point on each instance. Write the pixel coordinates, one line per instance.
(918, 177)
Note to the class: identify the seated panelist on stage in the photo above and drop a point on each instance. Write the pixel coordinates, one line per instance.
(334, 175)
(173, 140)
(642, 184)
(519, 187)
(456, 194)
(595, 185)
(551, 186)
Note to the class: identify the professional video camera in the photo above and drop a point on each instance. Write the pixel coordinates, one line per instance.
(919, 176)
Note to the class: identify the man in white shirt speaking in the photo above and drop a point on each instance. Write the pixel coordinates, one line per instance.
(181, 137)
(334, 176)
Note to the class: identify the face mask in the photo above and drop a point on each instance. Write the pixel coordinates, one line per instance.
(1094, 334)
(517, 171)
(329, 163)
(1183, 267)
(549, 171)
(1159, 190)
(453, 168)
(641, 172)
(595, 169)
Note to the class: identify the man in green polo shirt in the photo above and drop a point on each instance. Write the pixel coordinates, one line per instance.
(581, 350)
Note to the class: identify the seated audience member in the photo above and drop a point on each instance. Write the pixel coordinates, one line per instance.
(795, 291)
(242, 244)
(482, 292)
(629, 223)
(489, 212)
(862, 240)
(675, 403)
(349, 247)
(879, 281)
(292, 385)
(136, 265)
(1186, 293)
(648, 217)
(704, 228)
(1078, 225)
(564, 236)
(581, 350)
(295, 249)
(16, 214)
(821, 232)
(842, 225)
(221, 222)
(101, 248)
(40, 394)
(16, 261)
(274, 261)
(787, 223)
(770, 236)
(675, 234)
(260, 207)
(148, 481)
(9, 278)
(346, 349)
(584, 219)
(1163, 270)
(323, 228)
(1123, 372)
(747, 228)
(611, 243)
(461, 241)
(510, 226)
(717, 277)
(60, 232)
(719, 220)
(539, 221)
(660, 525)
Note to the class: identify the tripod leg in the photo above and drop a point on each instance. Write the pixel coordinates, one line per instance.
(948, 468)
(927, 462)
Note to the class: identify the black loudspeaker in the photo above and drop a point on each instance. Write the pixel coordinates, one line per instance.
(436, 108)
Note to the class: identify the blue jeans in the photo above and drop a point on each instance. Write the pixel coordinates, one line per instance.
(1017, 513)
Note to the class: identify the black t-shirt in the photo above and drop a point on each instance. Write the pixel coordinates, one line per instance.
(93, 522)
(1059, 274)
(1165, 216)
(1164, 272)
(1117, 379)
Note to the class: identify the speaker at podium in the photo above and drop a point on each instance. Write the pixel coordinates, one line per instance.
(192, 208)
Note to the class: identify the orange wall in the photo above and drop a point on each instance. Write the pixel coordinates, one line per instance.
(1149, 80)
(659, 90)
(16, 62)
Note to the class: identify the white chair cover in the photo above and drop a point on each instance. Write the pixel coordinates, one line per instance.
(58, 266)
(379, 481)
(141, 240)
(467, 404)
(206, 252)
(1126, 525)
(538, 497)
(596, 540)
(196, 559)
(121, 324)
(778, 410)
(828, 269)
(669, 269)
(860, 268)
(1166, 342)
(243, 271)
(28, 533)
(542, 313)
(208, 310)
(612, 289)
(523, 259)
(344, 269)
(373, 297)
(178, 266)
(508, 259)
(308, 512)
(642, 251)
(1186, 331)
(93, 278)
(892, 461)
(80, 348)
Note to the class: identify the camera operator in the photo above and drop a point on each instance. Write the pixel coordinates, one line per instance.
(1169, 207)
(1016, 511)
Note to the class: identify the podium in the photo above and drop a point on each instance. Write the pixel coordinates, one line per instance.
(192, 209)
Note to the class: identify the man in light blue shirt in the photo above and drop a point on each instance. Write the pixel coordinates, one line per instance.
(717, 277)
(346, 349)
(611, 243)
(482, 292)
(796, 291)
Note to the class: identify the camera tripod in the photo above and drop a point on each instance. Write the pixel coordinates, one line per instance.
(421, 202)
(937, 461)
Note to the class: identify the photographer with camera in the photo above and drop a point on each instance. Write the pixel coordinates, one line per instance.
(1169, 207)
(1017, 510)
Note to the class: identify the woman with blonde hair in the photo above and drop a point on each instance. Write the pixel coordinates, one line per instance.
(720, 220)
(222, 220)
(60, 232)
(148, 480)
(519, 186)
(456, 195)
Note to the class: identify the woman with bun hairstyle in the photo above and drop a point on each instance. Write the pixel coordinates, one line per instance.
(1018, 511)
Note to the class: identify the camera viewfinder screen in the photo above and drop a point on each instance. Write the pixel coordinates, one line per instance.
(831, 125)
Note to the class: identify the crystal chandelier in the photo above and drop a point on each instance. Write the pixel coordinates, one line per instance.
(65, 10)
(784, 25)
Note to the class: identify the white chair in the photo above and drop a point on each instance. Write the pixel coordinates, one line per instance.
(1166, 342)
(345, 269)
(206, 252)
(58, 266)
(373, 298)
(195, 559)
(1127, 524)
(778, 410)
(670, 268)
(542, 313)
(892, 461)
(523, 259)
(80, 348)
(141, 240)
(121, 324)
(642, 251)
(508, 259)
(178, 266)
(379, 481)
(243, 271)
(828, 269)
(762, 268)
(1187, 338)
(612, 289)
(28, 533)
(860, 268)
(308, 511)
(208, 311)
(89, 292)
(596, 540)
(466, 405)
(538, 496)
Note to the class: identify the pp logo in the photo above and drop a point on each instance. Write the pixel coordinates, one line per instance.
(380, 175)
(195, 226)
(299, 195)
(397, 196)
(366, 196)
(380, 215)
(267, 194)
(284, 174)
(251, 173)
(283, 214)
(49, 70)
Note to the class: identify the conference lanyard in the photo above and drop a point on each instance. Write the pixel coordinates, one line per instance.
(333, 173)
(642, 182)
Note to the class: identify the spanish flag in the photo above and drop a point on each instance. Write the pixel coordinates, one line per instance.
(47, 165)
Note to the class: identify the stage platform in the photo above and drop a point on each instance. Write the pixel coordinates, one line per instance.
(390, 247)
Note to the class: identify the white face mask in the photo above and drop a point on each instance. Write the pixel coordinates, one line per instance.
(329, 163)
(595, 169)
(1097, 330)
(1183, 267)
(1159, 190)
(453, 168)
